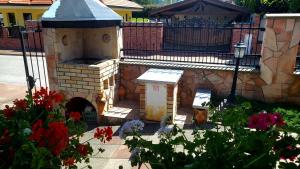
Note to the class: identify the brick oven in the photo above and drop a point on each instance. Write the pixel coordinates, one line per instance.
(82, 41)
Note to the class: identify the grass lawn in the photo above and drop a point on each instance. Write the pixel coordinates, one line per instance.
(290, 113)
(140, 20)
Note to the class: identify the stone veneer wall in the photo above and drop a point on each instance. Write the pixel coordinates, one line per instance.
(249, 85)
(219, 81)
(279, 51)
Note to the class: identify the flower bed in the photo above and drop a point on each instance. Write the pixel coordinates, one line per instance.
(35, 134)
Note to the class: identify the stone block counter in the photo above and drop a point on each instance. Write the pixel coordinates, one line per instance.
(158, 93)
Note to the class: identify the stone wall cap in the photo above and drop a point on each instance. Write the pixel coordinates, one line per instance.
(168, 76)
(283, 15)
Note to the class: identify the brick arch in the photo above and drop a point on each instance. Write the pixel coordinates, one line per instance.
(90, 97)
(82, 105)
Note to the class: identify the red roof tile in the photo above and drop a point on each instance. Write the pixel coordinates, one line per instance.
(113, 3)
(26, 2)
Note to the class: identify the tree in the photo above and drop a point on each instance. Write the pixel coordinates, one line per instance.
(266, 6)
(294, 5)
(252, 5)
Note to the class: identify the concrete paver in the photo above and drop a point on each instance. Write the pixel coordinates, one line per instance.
(10, 92)
(116, 154)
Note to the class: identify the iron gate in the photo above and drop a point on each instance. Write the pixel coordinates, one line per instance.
(197, 34)
(34, 58)
(207, 41)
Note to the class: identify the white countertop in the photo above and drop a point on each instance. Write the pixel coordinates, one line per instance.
(168, 76)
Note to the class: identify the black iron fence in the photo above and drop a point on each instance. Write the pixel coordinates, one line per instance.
(11, 32)
(34, 58)
(196, 41)
(297, 67)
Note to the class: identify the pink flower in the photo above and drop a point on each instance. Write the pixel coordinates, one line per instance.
(264, 121)
(279, 120)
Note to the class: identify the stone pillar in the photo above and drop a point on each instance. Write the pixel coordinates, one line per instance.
(49, 41)
(172, 100)
(279, 50)
(142, 101)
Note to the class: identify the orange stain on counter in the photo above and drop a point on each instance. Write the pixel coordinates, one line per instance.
(155, 115)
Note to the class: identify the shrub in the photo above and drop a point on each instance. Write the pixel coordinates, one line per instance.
(294, 6)
(35, 134)
(236, 141)
(269, 6)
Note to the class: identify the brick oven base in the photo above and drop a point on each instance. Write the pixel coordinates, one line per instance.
(95, 83)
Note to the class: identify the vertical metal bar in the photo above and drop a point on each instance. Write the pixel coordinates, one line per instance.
(231, 98)
(30, 56)
(241, 30)
(25, 62)
(143, 43)
(249, 32)
(42, 50)
(130, 38)
(136, 40)
(173, 40)
(231, 31)
(156, 43)
(257, 36)
(36, 57)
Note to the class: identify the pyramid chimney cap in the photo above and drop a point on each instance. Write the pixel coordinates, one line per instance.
(80, 14)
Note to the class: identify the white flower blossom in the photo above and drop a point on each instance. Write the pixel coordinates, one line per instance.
(130, 127)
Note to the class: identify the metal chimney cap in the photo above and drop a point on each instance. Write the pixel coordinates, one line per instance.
(80, 14)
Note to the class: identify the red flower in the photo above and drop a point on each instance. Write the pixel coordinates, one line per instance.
(75, 116)
(82, 149)
(46, 99)
(69, 161)
(8, 111)
(55, 137)
(21, 104)
(5, 138)
(108, 133)
(104, 133)
(58, 97)
(37, 133)
(99, 133)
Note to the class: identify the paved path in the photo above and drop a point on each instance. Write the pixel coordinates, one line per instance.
(10, 92)
(116, 154)
(13, 79)
(12, 69)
